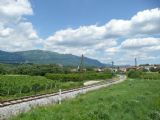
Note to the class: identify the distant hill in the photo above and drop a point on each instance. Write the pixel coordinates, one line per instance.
(9, 57)
(45, 57)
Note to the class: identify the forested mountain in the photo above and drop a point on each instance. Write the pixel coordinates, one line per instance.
(9, 57)
(45, 57)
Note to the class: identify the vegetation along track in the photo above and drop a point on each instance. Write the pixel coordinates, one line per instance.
(13, 107)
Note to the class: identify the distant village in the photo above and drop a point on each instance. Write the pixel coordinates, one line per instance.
(124, 69)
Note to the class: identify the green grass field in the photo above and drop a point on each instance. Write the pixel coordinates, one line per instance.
(130, 100)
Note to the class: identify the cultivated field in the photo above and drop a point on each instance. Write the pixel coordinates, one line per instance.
(16, 86)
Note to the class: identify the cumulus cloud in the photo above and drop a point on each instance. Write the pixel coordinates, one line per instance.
(105, 40)
(118, 39)
(145, 49)
(15, 33)
(82, 36)
(23, 37)
(140, 43)
(5, 32)
(13, 10)
(146, 22)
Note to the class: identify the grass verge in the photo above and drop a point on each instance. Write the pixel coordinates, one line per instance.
(133, 99)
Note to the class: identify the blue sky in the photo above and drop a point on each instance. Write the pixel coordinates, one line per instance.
(52, 15)
(107, 30)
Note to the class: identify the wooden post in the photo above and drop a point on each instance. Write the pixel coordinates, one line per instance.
(82, 90)
(59, 99)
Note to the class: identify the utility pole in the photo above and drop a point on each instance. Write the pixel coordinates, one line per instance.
(82, 63)
(81, 67)
(112, 67)
(135, 62)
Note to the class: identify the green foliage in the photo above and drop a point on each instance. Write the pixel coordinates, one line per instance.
(25, 89)
(157, 69)
(154, 115)
(78, 76)
(64, 77)
(131, 100)
(2, 70)
(151, 75)
(15, 86)
(134, 74)
(68, 85)
(143, 75)
(29, 69)
(36, 87)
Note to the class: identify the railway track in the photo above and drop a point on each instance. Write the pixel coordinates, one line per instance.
(14, 107)
(30, 98)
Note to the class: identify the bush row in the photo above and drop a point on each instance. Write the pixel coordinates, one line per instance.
(143, 75)
(78, 76)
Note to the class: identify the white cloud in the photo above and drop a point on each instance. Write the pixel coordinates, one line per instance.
(146, 22)
(82, 36)
(23, 37)
(143, 23)
(112, 50)
(145, 49)
(13, 10)
(100, 42)
(83, 40)
(5, 32)
(140, 43)
(15, 33)
(117, 28)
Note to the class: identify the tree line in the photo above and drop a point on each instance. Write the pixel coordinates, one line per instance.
(32, 69)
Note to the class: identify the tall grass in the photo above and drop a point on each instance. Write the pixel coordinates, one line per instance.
(132, 100)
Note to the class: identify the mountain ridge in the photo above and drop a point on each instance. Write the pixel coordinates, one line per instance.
(46, 57)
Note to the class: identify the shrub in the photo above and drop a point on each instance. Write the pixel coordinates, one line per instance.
(63, 77)
(154, 115)
(2, 70)
(75, 77)
(150, 76)
(25, 89)
(36, 87)
(134, 74)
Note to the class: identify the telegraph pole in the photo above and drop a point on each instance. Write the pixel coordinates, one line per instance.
(81, 67)
(82, 63)
(112, 68)
(135, 60)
